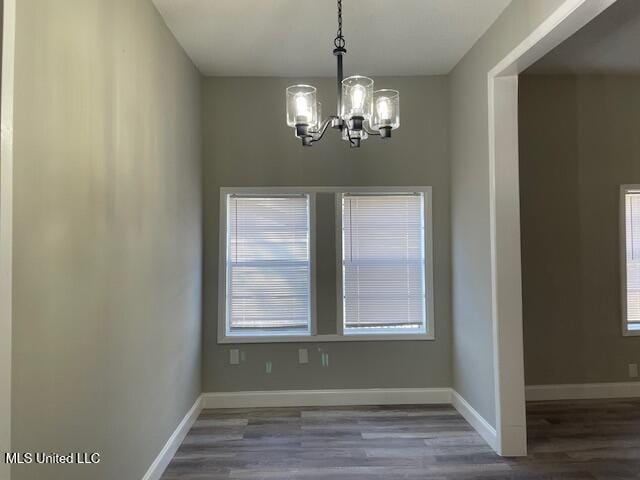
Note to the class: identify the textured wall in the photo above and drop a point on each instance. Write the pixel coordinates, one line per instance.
(247, 143)
(578, 144)
(107, 235)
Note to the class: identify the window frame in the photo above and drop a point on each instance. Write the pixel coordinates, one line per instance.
(224, 338)
(429, 333)
(223, 331)
(624, 189)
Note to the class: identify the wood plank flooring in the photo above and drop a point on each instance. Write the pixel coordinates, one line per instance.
(567, 440)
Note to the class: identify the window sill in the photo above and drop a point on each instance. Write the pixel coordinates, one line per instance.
(627, 332)
(378, 337)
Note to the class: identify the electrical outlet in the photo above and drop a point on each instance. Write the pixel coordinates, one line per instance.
(633, 370)
(234, 356)
(303, 356)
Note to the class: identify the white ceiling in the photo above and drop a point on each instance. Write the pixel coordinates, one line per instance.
(295, 37)
(608, 44)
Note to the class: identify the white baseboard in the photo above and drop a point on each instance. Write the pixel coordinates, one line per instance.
(385, 396)
(476, 420)
(170, 448)
(583, 391)
(326, 398)
(319, 398)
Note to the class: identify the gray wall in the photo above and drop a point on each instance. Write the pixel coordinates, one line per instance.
(578, 142)
(473, 349)
(107, 235)
(247, 143)
(5, 250)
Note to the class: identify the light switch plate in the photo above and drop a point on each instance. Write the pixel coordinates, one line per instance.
(303, 355)
(633, 370)
(234, 356)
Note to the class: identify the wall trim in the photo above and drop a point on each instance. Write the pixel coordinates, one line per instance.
(327, 398)
(319, 398)
(382, 396)
(582, 391)
(170, 448)
(476, 420)
(377, 396)
(504, 214)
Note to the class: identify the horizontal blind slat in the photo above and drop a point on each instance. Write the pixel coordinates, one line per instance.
(632, 219)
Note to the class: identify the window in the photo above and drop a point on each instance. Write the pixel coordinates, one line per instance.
(631, 259)
(268, 268)
(382, 253)
(385, 283)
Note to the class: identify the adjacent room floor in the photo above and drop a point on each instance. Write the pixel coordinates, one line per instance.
(567, 440)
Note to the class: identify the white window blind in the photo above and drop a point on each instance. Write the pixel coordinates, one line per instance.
(632, 241)
(383, 263)
(268, 265)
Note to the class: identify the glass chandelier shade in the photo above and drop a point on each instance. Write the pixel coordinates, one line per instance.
(318, 125)
(386, 109)
(357, 97)
(302, 106)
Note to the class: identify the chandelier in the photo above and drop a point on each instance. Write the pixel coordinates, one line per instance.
(361, 110)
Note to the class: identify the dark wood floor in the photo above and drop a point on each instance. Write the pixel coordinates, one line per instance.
(567, 440)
